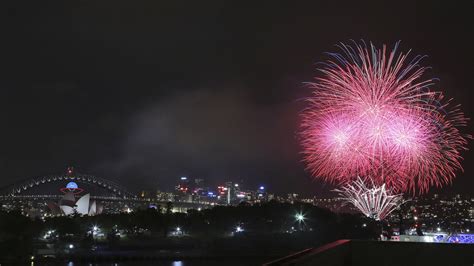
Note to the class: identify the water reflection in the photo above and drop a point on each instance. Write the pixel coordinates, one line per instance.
(196, 262)
(170, 263)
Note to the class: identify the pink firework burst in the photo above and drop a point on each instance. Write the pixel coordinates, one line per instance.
(372, 114)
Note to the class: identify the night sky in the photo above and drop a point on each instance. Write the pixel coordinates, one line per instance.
(143, 92)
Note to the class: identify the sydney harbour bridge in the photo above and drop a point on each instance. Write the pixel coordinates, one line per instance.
(49, 188)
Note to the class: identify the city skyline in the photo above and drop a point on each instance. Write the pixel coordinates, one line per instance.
(182, 185)
(85, 195)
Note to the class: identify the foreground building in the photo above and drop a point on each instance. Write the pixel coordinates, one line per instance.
(68, 205)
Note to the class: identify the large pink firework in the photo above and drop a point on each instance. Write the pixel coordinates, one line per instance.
(373, 115)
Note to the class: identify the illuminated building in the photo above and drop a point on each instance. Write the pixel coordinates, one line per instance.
(69, 206)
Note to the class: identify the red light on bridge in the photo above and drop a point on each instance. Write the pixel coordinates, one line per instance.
(70, 170)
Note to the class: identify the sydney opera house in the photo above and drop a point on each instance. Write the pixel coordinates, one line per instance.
(68, 205)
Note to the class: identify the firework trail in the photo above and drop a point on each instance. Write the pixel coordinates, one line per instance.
(373, 201)
(372, 114)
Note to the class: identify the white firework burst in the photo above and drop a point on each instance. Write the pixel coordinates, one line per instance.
(373, 201)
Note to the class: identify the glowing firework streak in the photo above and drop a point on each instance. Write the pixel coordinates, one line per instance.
(375, 202)
(372, 114)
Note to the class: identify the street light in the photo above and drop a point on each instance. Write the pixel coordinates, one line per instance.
(299, 217)
(178, 231)
(239, 229)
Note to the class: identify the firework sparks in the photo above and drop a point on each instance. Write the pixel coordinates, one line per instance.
(375, 202)
(372, 114)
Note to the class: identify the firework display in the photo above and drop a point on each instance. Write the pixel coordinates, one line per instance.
(373, 201)
(372, 114)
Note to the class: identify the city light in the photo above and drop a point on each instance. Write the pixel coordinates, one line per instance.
(178, 231)
(49, 234)
(71, 246)
(425, 213)
(95, 231)
(299, 217)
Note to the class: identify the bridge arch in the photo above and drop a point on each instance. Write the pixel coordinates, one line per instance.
(20, 187)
